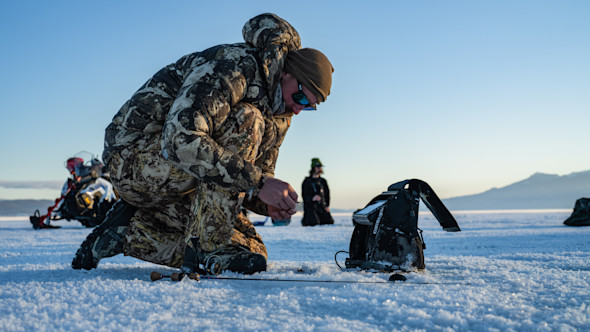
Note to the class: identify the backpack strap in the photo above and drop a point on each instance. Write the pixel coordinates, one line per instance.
(400, 185)
(431, 200)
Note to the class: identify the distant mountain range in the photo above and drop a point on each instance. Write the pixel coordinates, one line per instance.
(539, 191)
(24, 207)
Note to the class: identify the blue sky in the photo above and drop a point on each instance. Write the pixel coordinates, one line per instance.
(466, 95)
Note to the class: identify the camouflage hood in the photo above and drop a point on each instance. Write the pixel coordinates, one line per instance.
(274, 38)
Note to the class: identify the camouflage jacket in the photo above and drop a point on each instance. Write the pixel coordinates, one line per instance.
(187, 101)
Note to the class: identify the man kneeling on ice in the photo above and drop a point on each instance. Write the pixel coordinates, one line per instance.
(199, 141)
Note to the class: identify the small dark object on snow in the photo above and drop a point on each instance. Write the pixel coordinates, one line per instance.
(397, 277)
(154, 276)
(581, 214)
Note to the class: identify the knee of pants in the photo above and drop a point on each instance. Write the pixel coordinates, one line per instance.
(146, 179)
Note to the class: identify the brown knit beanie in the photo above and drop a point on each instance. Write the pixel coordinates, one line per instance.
(313, 69)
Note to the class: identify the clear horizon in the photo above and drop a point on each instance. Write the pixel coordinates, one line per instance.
(463, 95)
(54, 187)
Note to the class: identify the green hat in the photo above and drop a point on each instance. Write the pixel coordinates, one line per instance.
(316, 162)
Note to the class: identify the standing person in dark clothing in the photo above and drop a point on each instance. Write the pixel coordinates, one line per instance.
(316, 197)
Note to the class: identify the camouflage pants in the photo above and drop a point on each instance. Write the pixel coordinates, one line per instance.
(173, 206)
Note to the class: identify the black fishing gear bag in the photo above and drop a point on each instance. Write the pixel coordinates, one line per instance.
(386, 236)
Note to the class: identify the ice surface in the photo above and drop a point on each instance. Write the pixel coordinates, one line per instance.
(508, 270)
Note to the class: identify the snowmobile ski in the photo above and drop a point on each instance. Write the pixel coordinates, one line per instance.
(38, 221)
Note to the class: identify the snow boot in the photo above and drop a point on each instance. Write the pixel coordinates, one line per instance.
(107, 239)
(230, 258)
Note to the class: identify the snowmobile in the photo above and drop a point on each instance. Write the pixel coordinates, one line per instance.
(86, 195)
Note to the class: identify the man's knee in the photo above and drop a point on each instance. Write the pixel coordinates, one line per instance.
(146, 179)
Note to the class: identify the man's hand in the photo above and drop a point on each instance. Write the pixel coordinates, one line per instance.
(278, 214)
(279, 194)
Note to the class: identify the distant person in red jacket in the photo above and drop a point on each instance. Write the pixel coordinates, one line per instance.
(316, 197)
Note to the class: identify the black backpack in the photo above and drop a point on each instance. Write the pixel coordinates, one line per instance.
(581, 214)
(386, 236)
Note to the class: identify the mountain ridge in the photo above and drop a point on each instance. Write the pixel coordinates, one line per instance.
(538, 191)
(23, 207)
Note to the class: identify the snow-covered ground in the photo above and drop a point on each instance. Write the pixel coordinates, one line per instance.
(506, 271)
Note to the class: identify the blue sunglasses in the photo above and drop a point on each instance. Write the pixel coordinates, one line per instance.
(300, 98)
